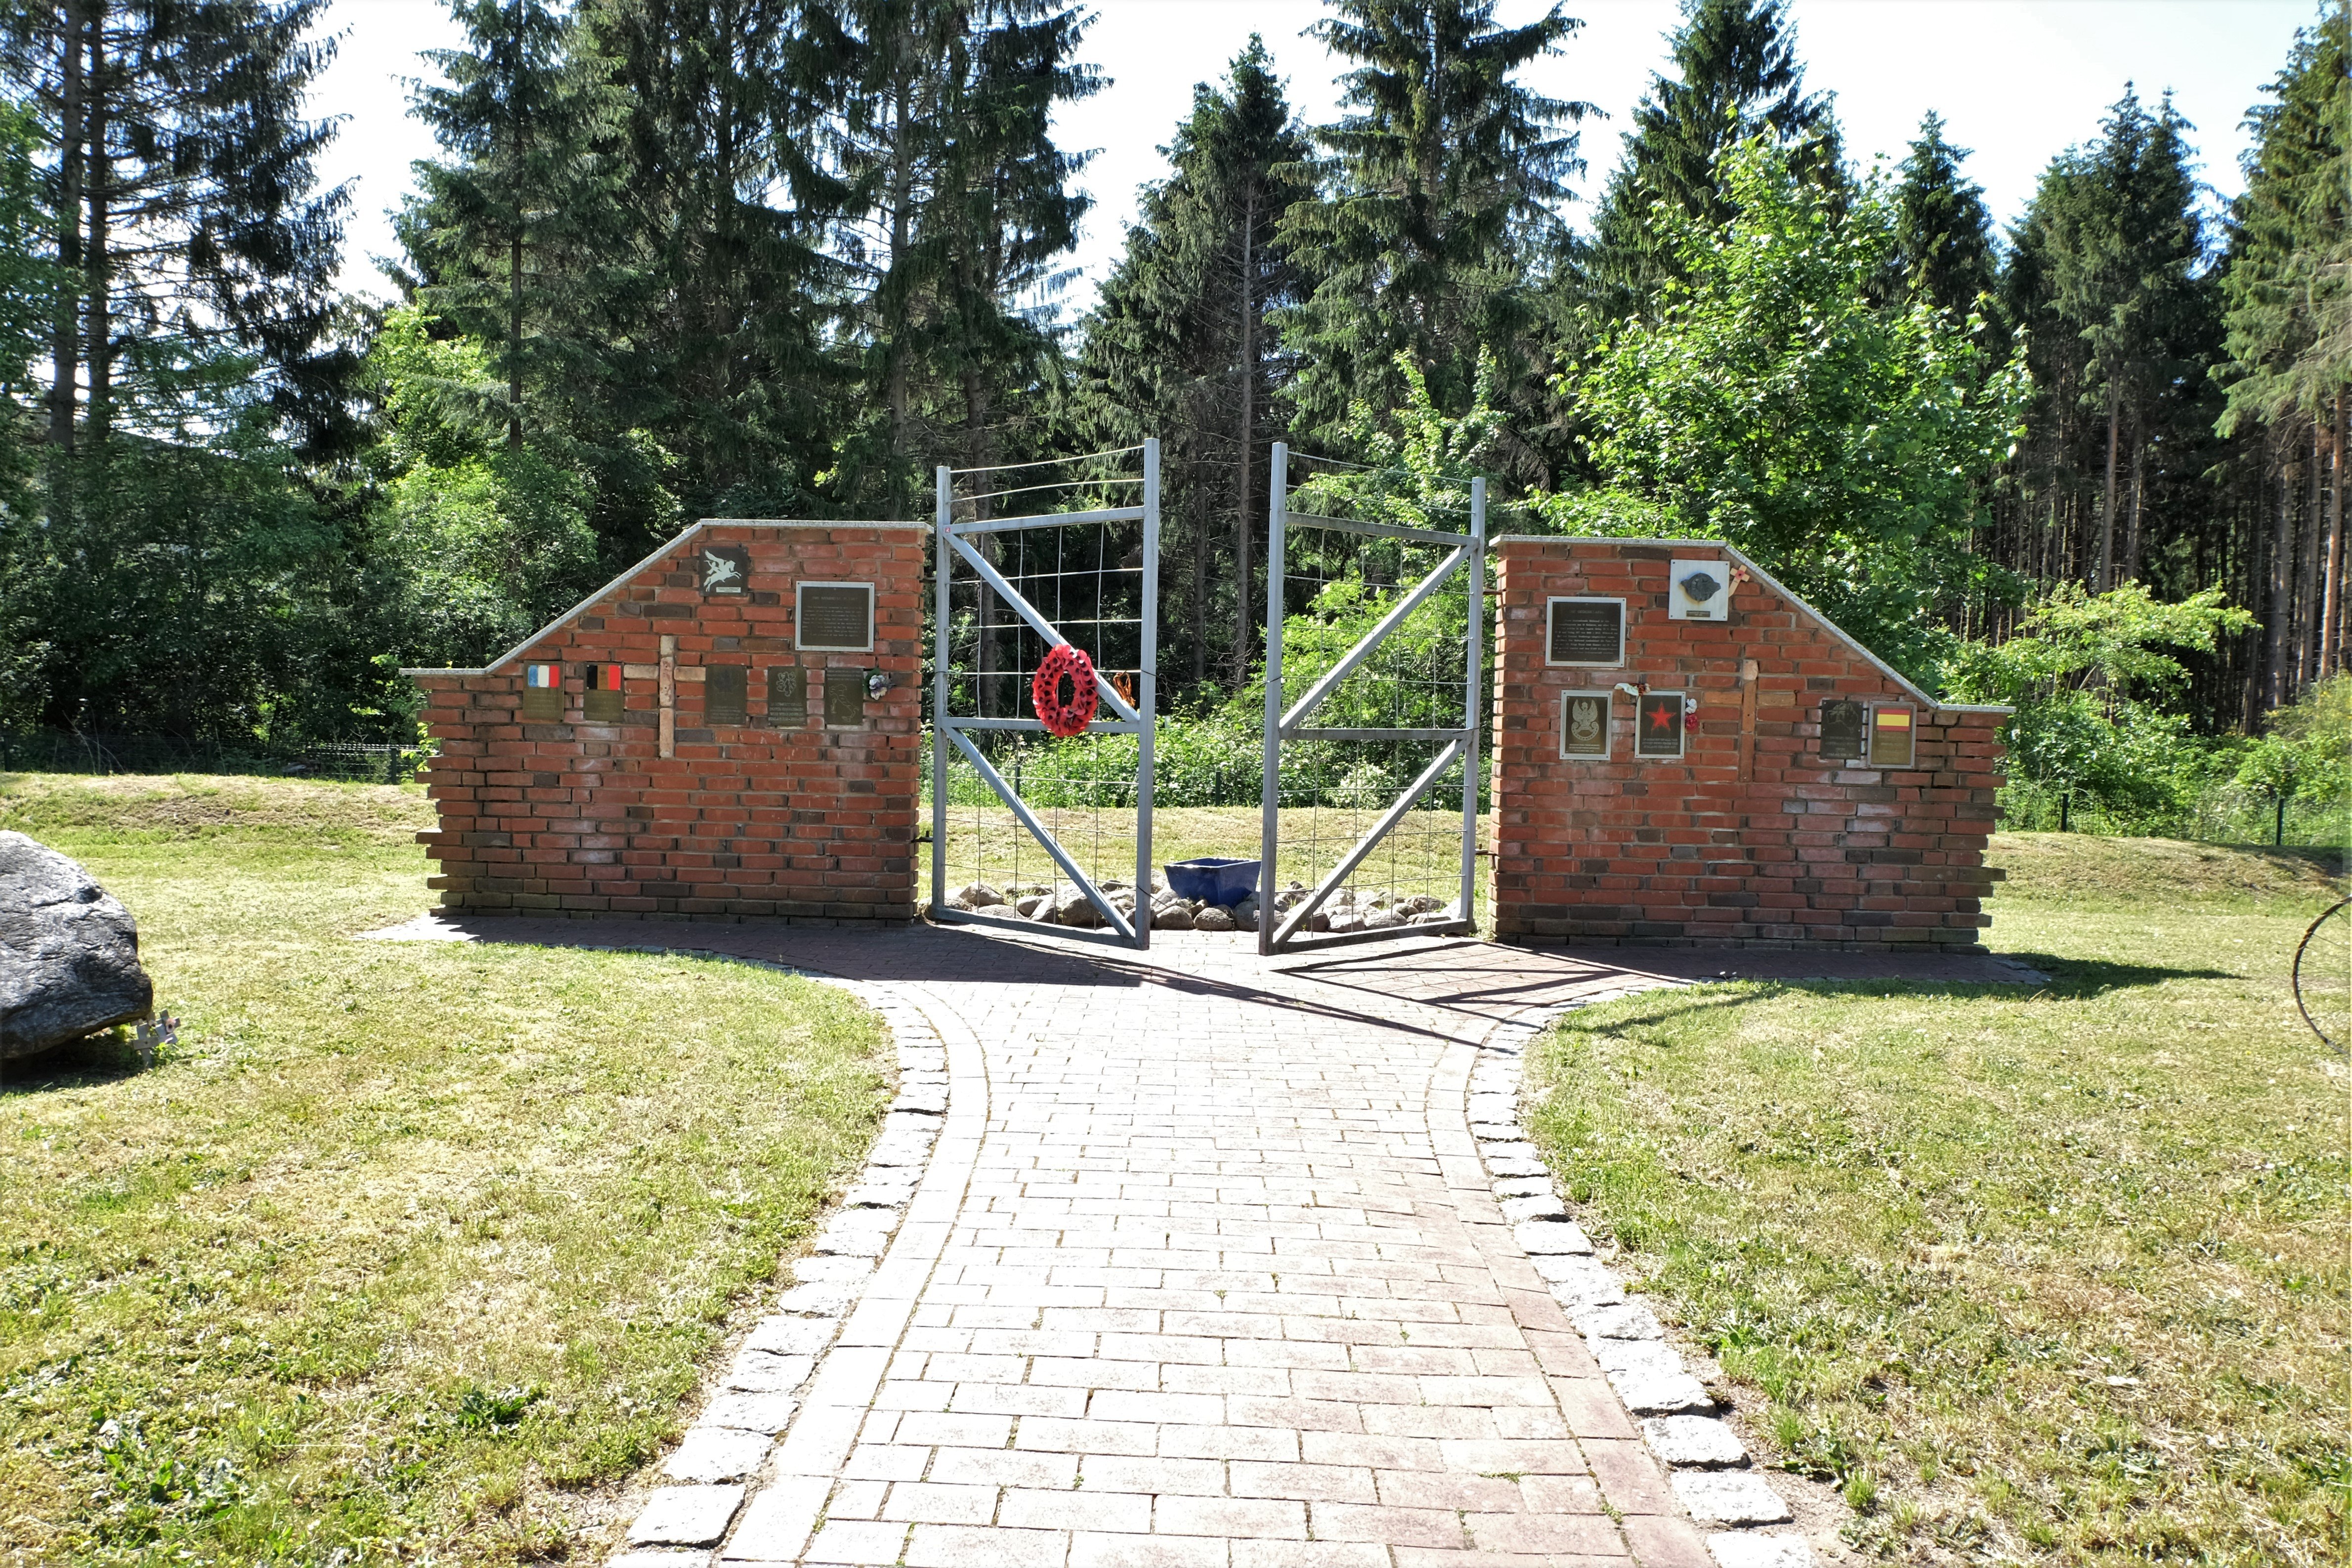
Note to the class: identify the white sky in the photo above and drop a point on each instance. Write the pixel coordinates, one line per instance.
(2016, 80)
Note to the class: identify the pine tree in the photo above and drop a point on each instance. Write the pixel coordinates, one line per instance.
(1736, 75)
(1943, 236)
(1440, 192)
(1182, 344)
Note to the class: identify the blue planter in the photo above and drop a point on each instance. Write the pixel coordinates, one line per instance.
(1212, 880)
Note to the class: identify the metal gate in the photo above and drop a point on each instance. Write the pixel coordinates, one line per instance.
(1456, 744)
(1008, 630)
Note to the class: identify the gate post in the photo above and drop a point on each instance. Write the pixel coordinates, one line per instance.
(1474, 704)
(1147, 692)
(1270, 800)
(941, 647)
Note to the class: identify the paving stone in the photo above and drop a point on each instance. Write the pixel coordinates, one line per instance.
(878, 1194)
(1698, 1442)
(1542, 1238)
(1730, 1497)
(817, 1300)
(1542, 1206)
(1741, 1548)
(1649, 1392)
(1526, 1166)
(1524, 1187)
(761, 1372)
(792, 1335)
(1578, 1282)
(1626, 1320)
(750, 1412)
(685, 1516)
(715, 1454)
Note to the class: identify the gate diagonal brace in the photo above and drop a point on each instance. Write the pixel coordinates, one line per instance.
(1037, 829)
(1306, 909)
(1045, 628)
(1370, 641)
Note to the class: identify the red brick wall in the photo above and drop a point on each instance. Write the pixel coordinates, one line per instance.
(810, 823)
(1752, 838)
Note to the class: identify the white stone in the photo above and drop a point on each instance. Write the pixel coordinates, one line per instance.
(1739, 1549)
(1543, 1238)
(1514, 1150)
(769, 1413)
(1699, 1442)
(1732, 1497)
(817, 1300)
(1523, 1186)
(843, 1272)
(685, 1516)
(1630, 1320)
(1649, 1392)
(1539, 1206)
(878, 1194)
(763, 1372)
(1381, 920)
(1579, 1282)
(1516, 1165)
(1635, 1356)
(717, 1454)
(792, 1335)
(1495, 1132)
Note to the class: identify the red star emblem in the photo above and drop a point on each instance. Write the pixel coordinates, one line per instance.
(1660, 715)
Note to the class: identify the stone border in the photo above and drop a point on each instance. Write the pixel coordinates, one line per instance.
(786, 1410)
(1679, 1420)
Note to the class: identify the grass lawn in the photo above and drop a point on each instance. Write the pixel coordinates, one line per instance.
(2050, 1274)
(406, 1251)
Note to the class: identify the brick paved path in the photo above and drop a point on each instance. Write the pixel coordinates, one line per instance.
(1204, 1270)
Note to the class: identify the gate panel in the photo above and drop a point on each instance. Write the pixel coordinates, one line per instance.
(1380, 719)
(1007, 591)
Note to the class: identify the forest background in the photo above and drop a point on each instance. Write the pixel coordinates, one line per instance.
(777, 257)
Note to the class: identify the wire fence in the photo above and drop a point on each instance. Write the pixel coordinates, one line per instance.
(357, 762)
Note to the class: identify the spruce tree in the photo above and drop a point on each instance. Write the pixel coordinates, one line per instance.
(1944, 250)
(1182, 344)
(1736, 75)
(1439, 193)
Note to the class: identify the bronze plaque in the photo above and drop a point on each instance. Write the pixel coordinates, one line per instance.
(1658, 731)
(1584, 724)
(725, 569)
(1841, 728)
(1588, 632)
(787, 696)
(844, 698)
(838, 617)
(723, 695)
(543, 705)
(1890, 737)
(600, 706)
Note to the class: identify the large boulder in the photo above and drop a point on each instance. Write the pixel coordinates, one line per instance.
(69, 952)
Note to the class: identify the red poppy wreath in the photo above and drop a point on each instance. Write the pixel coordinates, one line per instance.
(1064, 716)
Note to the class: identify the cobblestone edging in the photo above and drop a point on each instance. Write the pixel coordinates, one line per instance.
(1680, 1422)
(818, 1345)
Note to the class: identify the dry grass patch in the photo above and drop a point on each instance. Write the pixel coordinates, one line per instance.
(404, 1248)
(2052, 1274)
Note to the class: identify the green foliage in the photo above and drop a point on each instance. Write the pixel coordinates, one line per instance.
(1775, 403)
(1943, 235)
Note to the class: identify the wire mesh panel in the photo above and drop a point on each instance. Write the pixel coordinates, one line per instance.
(1369, 811)
(1027, 825)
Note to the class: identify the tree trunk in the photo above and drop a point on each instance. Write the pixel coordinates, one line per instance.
(2306, 618)
(893, 290)
(2281, 575)
(98, 348)
(1241, 640)
(64, 349)
(2331, 614)
(2138, 491)
(514, 343)
(2107, 500)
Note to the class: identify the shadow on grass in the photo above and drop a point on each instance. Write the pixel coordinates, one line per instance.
(2069, 979)
(107, 1057)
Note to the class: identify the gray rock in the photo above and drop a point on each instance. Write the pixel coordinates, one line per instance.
(979, 896)
(69, 952)
(758, 1372)
(1552, 1237)
(685, 1516)
(1214, 918)
(1433, 918)
(1540, 1205)
(1579, 1282)
(1379, 919)
(1735, 1497)
(1340, 922)
(1173, 916)
(715, 1454)
(769, 1413)
(1029, 904)
(1699, 1442)
(1624, 1320)
(1078, 910)
(792, 1335)
(1652, 1392)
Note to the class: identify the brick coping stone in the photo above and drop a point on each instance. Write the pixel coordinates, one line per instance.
(1208, 1261)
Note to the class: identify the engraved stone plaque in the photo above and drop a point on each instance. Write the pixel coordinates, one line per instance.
(1890, 737)
(844, 698)
(723, 695)
(834, 617)
(725, 569)
(602, 702)
(1587, 632)
(1584, 724)
(543, 693)
(1841, 728)
(1658, 731)
(787, 696)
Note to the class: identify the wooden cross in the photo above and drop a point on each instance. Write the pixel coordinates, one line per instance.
(669, 672)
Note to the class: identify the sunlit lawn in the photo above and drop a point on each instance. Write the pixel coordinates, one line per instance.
(405, 1251)
(2053, 1273)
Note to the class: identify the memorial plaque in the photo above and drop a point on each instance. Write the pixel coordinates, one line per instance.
(602, 703)
(1841, 728)
(1587, 632)
(1584, 724)
(1659, 729)
(1890, 737)
(787, 696)
(543, 693)
(723, 695)
(726, 569)
(834, 617)
(844, 698)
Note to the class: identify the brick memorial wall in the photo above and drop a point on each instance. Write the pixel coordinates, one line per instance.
(1686, 753)
(709, 736)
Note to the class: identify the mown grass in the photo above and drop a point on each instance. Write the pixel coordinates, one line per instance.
(405, 1251)
(2053, 1274)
